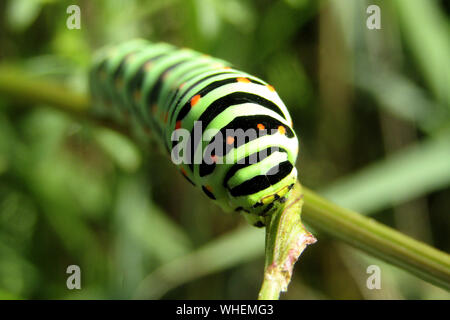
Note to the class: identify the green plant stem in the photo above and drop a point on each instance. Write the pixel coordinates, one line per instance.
(352, 228)
(377, 239)
(286, 238)
(15, 84)
(34, 90)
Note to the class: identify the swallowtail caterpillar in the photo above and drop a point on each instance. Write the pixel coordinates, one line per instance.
(163, 89)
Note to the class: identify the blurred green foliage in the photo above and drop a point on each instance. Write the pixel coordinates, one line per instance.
(371, 108)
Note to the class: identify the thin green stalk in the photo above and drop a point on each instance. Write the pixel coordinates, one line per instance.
(286, 238)
(377, 239)
(15, 84)
(21, 87)
(359, 231)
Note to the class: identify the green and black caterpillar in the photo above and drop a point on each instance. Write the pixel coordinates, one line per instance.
(246, 144)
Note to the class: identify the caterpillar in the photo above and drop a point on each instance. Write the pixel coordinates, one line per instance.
(165, 90)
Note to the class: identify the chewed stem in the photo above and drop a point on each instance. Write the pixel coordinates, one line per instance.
(286, 238)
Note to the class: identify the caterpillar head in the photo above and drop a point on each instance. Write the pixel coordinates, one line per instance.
(272, 189)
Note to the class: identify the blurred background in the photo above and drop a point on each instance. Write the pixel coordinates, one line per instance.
(371, 108)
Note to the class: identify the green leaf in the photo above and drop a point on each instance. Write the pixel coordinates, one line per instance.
(426, 32)
(22, 13)
(412, 172)
(206, 260)
(119, 148)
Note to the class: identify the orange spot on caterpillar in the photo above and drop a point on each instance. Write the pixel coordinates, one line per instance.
(182, 85)
(178, 124)
(209, 188)
(214, 158)
(195, 99)
(227, 68)
(230, 140)
(281, 129)
(243, 80)
(183, 171)
(260, 126)
(271, 88)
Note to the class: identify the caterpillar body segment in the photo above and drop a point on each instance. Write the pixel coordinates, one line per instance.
(231, 131)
